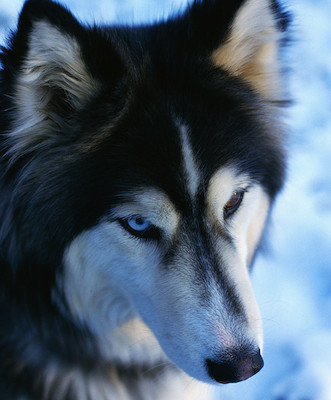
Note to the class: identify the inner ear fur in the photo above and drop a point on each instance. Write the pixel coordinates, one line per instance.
(49, 75)
(252, 46)
(52, 83)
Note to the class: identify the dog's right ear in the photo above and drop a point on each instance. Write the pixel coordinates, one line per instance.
(51, 73)
(244, 38)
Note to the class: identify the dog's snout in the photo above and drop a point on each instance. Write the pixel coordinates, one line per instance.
(236, 370)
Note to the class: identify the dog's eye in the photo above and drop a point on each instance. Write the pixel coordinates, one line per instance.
(233, 204)
(140, 227)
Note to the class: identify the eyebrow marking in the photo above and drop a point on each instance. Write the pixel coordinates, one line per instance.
(191, 171)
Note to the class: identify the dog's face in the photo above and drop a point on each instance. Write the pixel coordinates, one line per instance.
(185, 271)
(153, 157)
(180, 237)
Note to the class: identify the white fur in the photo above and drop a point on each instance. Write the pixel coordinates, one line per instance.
(247, 224)
(96, 270)
(191, 171)
(108, 258)
(104, 270)
(245, 227)
(251, 50)
(117, 284)
(94, 387)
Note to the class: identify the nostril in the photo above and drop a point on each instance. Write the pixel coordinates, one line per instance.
(235, 370)
(221, 372)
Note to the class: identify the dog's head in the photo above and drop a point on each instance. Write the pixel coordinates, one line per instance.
(145, 161)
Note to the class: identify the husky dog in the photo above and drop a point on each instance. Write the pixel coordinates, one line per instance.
(138, 169)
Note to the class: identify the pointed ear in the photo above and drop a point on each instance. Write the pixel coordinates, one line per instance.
(53, 67)
(252, 46)
(52, 77)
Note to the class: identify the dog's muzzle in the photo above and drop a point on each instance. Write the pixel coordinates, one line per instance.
(237, 369)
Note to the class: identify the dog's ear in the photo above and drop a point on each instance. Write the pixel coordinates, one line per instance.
(51, 67)
(248, 42)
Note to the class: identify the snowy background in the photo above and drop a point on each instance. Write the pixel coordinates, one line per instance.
(292, 281)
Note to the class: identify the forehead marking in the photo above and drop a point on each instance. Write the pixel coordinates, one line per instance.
(191, 171)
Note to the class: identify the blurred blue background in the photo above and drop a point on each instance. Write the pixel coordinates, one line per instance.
(293, 279)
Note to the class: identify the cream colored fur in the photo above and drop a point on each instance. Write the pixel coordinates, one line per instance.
(251, 50)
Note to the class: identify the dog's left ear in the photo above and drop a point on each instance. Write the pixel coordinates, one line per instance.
(52, 69)
(249, 46)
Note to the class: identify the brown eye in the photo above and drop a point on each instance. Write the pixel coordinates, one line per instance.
(233, 204)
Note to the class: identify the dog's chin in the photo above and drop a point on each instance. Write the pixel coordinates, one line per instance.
(196, 371)
(188, 360)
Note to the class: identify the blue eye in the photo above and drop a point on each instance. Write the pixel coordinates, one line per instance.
(138, 224)
(140, 227)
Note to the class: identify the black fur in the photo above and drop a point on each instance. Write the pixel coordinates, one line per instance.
(158, 73)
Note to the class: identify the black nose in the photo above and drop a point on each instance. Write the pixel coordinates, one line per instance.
(235, 370)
